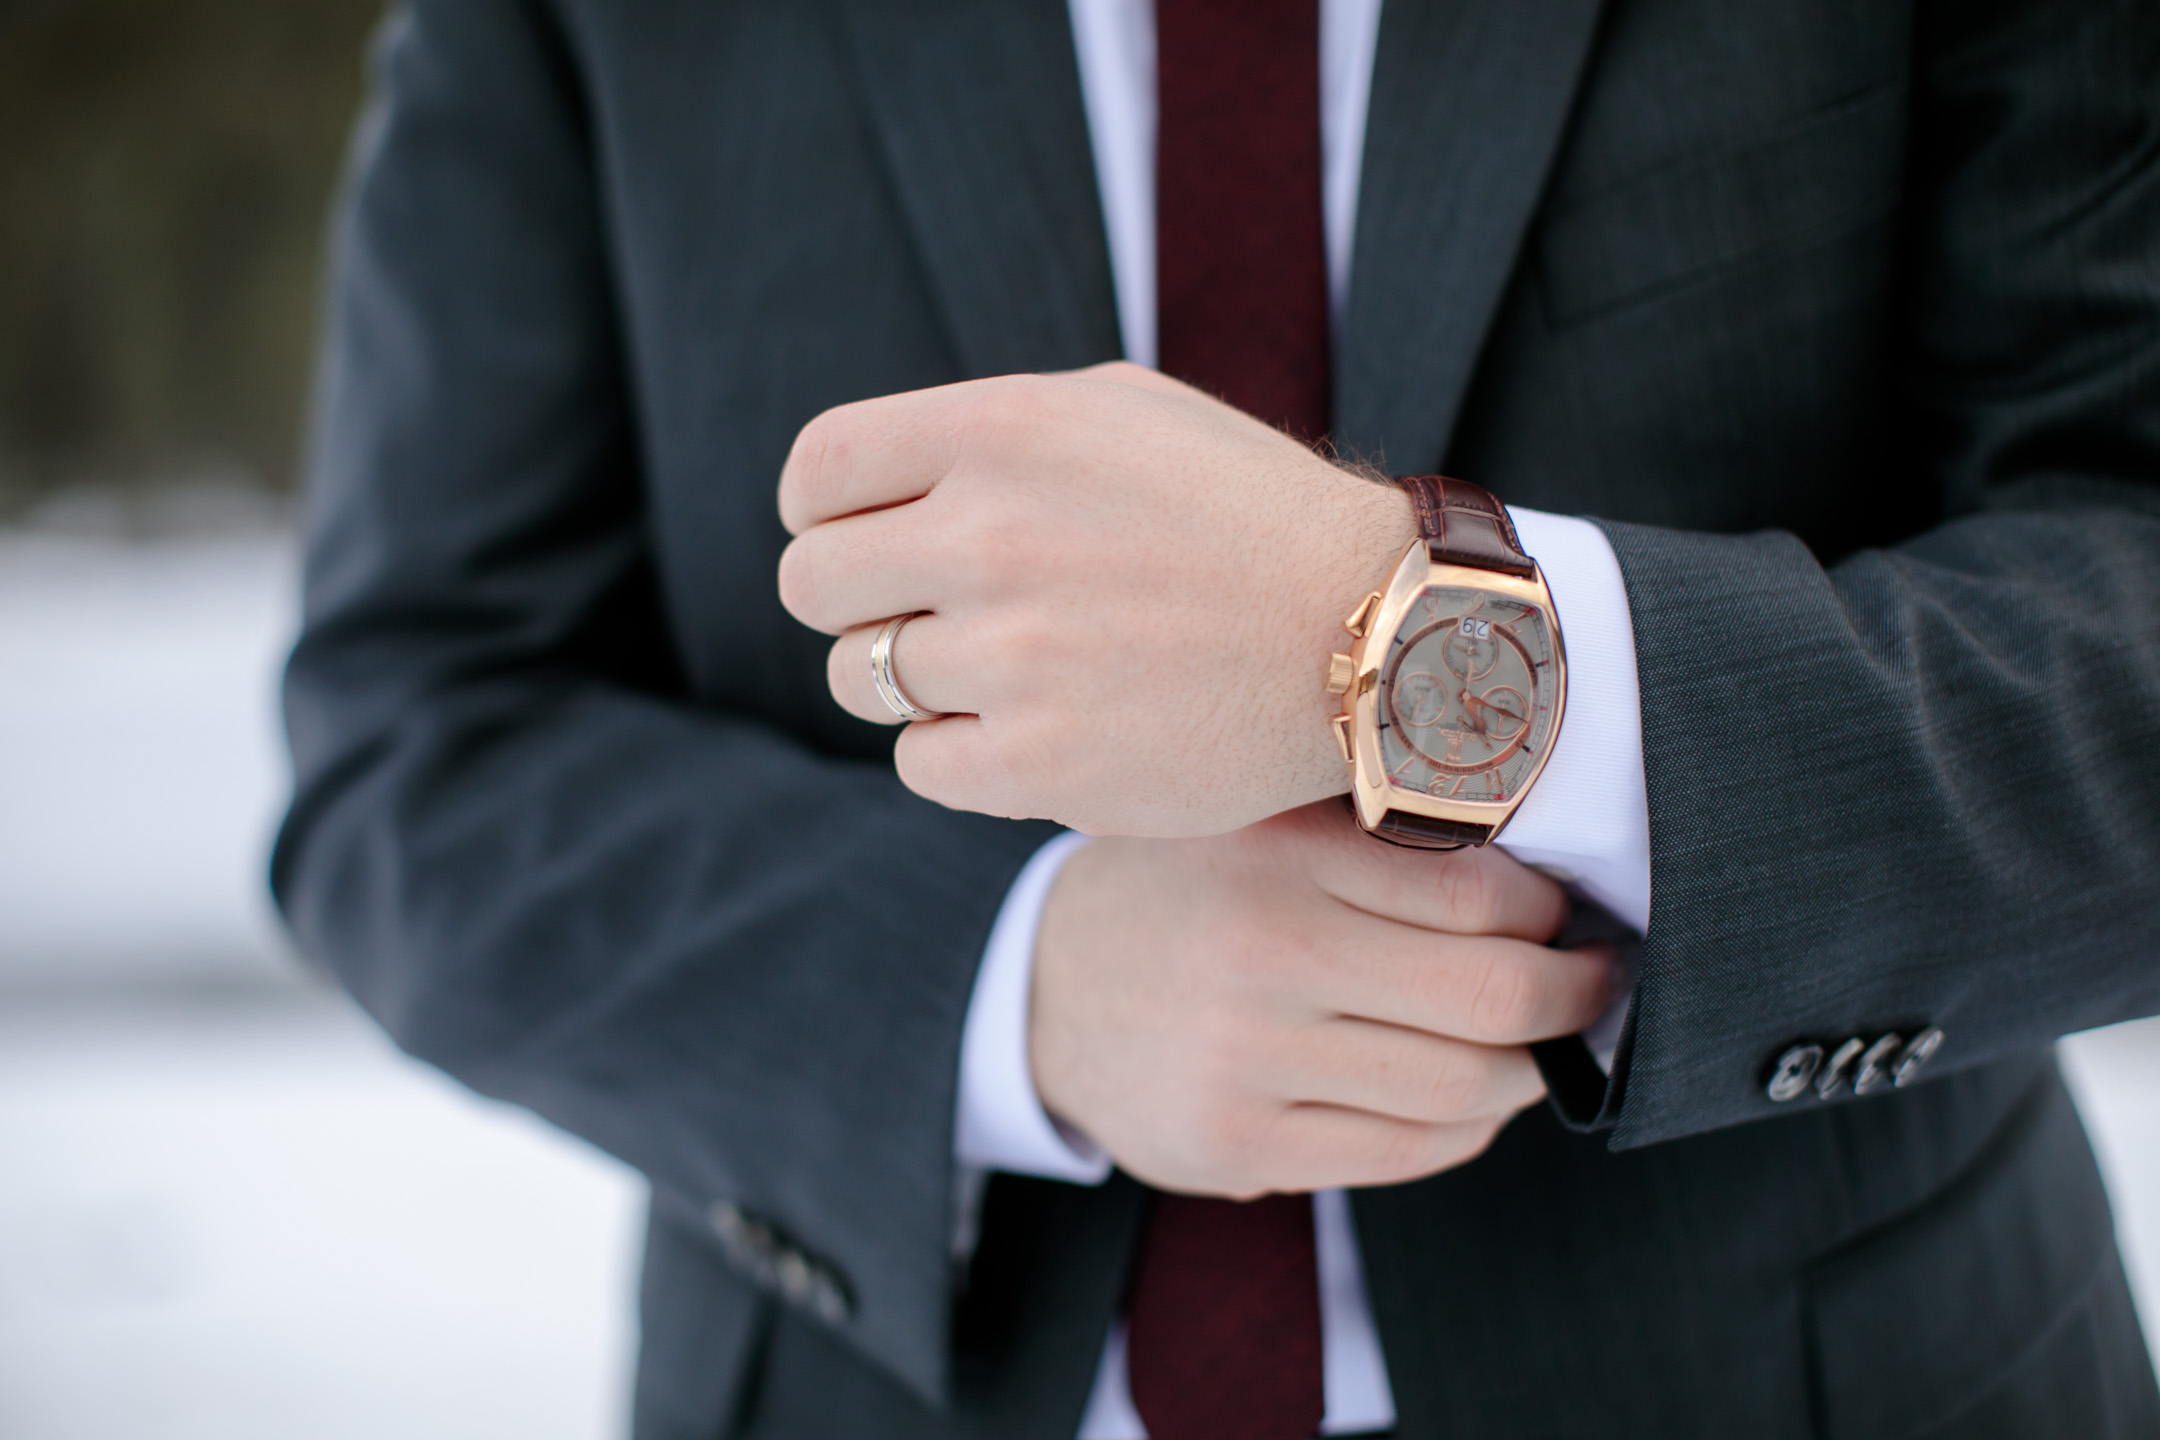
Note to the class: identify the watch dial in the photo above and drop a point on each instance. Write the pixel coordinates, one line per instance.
(1466, 695)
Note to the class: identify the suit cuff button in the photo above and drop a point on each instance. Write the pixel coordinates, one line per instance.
(1837, 1070)
(749, 1244)
(1874, 1071)
(1917, 1054)
(760, 1252)
(1790, 1074)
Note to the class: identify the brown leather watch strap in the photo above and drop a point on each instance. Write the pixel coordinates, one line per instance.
(1422, 832)
(1463, 524)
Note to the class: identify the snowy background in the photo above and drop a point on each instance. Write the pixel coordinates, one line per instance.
(229, 1210)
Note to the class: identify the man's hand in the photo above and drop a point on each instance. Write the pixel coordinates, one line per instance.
(1132, 591)
(1296, 1006)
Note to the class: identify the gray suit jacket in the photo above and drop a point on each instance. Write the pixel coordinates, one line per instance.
(1844, 317)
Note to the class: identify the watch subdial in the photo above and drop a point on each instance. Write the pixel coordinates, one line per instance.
(1421, 698)
(1470, 652)
(1500, 713)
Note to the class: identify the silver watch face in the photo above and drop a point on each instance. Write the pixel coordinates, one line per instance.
(1466, 695)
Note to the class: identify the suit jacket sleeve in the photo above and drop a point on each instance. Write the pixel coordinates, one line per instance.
(737, 963)
(1922, 785)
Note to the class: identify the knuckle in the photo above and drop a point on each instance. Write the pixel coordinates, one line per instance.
(1455, 1083)
(1008, 404)
(1505, 998)
(1225, 1124)
(1404, 1152)
(798, 582)
(1227, 1139)
(1284, 965)
(1015, 769)
(1468, 894)
(820, 449)
(1013, 647)
(989, 545)
(926, 765)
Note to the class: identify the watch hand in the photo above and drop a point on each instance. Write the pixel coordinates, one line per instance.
(1476, 717)
(1484, 704)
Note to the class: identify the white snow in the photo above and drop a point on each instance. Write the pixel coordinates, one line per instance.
(257, 1222)
(2115, 1075)
(140, 770)
(229, 1209)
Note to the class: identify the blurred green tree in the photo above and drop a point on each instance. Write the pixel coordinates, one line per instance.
(165, 168)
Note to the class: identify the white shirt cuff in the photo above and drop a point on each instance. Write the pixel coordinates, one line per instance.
(1001, 1123)
(1588, 815)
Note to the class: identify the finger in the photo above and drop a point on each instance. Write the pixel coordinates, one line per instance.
(1481, 988)
(924, 662)
(1479, 890)
(871, 454)
(1407, 1074)
(878, 453)
(864, 568)
(955, 762)
(1316, 1147)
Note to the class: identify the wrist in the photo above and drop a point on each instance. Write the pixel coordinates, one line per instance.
(1367, 524)
(1001, 1123)
(1064, 1069)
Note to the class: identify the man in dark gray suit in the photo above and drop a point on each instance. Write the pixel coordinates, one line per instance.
(1843, 323)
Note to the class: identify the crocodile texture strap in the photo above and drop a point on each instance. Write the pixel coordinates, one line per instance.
(1463, 524)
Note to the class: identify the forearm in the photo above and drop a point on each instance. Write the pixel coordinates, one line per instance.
(1917, 788)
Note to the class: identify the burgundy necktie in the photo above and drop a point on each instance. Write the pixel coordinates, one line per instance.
(1224, 1317)
(1240, 255)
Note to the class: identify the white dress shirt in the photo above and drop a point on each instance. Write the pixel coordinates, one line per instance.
(1586, 818)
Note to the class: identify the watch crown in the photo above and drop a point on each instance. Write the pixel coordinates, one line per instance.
(1339, 673)
(1362, 616)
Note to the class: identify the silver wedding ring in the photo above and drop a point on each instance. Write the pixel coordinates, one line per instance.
(881, 671)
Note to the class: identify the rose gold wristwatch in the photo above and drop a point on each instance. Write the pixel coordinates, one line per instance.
(1453, 691)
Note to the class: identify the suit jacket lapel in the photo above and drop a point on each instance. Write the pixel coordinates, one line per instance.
(1468, 104)
(977, 106)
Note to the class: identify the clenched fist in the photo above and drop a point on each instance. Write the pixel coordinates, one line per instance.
(1296, 1006)
(1130, 594)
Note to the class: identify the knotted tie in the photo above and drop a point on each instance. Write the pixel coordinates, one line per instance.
(1224, 1318)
